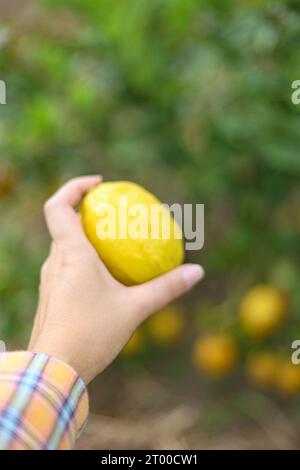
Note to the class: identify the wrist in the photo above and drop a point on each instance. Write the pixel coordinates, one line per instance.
(61, 354)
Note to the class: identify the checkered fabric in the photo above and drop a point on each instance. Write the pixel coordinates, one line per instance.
(43, 402)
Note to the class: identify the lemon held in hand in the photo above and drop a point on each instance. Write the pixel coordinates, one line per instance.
(135, 236)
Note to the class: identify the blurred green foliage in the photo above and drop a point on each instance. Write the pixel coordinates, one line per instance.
(191, 98)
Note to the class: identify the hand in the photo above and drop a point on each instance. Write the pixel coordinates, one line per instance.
(84, 316)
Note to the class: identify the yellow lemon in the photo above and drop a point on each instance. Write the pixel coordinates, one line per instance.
(261, 368)
(262, 310)
(135, 344)
(167, 325)
(133, 233)
(215, 354)
(288, 378)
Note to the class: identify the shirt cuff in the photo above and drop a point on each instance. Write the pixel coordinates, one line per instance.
(43, 402)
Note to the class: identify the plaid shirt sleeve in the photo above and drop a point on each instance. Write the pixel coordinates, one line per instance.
(43, 402)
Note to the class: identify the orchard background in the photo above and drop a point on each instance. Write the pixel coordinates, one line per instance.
(191, 99)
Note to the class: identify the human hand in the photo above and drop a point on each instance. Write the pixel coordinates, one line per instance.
(84, 316)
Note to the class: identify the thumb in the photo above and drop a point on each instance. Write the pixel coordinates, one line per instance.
(155, 294)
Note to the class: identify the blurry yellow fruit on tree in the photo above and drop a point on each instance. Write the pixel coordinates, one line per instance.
(167, 325)
(135, 344)
(215, 354)
(261, 368)
(288, 377)
(262, 310)
(133, 233)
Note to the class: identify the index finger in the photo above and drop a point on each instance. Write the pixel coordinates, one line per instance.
(61, 217)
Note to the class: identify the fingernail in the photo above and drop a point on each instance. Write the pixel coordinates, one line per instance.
(98, 178)
(193, 274)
